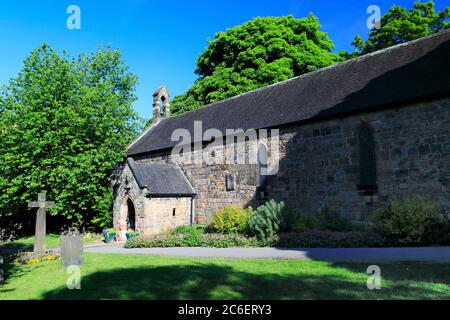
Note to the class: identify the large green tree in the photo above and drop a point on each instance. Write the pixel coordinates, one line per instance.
(399, 25)
(65, 123)
(260, 52)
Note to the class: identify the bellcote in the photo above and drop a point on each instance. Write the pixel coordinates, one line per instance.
(161, 104)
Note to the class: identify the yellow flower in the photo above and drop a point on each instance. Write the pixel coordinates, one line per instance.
(51, 257)
(33, 261)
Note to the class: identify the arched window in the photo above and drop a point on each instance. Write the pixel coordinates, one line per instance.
(131, 214)
(162, 103)
(262, 166)
(367, 160)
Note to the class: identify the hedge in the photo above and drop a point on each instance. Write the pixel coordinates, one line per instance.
(312, 239)
(202, 240)
(329, 239)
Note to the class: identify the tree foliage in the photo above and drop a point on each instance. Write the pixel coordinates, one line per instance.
(66, 122)
(399, 25)
(258, 53)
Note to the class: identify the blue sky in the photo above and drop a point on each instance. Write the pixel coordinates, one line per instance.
(160, 40)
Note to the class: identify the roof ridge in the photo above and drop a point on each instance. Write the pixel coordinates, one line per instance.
(318, 71)
(143, 133)
(146, 164)
(401, 73)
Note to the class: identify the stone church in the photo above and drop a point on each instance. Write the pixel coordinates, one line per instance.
(351, 136)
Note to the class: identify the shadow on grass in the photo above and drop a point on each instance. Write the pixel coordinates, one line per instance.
(12, 247)
(415, 274)
(212, 281)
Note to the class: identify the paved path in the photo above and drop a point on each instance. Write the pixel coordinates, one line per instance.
(373, 255)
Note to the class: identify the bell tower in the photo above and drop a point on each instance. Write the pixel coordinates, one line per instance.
(161, 104)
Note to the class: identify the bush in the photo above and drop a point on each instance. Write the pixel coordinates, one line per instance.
(201, 240)
(188, 230)
(230, 220)
(311, 239)
(270, 219)
(190, 235)
(305, 222)
(325, 219)
(328, 219)
(414, 220)
(328, 239)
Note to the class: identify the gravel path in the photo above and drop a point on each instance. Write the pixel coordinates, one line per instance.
(373, 255)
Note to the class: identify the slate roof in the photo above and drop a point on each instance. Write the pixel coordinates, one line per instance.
(161, 179)
(409, 71)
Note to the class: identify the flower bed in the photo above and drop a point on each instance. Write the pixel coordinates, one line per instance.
(33, 258)
(311, 239)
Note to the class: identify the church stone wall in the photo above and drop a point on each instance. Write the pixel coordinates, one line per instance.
(320, 163)
(209, 183)
(153, 215)
(132, 191)
(159, 215)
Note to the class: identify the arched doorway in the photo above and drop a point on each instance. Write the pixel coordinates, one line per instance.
(127, 219)
(131, 215)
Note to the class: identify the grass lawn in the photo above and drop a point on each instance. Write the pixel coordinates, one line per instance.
(152, 277)
(51, 241)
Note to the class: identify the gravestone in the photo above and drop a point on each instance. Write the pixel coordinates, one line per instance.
(41, 224)
(71, 250)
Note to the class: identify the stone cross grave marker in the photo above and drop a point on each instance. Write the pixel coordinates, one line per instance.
(41, 225)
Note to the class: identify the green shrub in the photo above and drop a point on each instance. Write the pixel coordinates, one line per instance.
(309, 239)
(332, 220)
(305, 222)
(190, 235)
(414, 220)
(230, 220)
(202, 240)
(230, 241)
(329, 239)
(195, 230)
(270, 219)
(325, 219)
